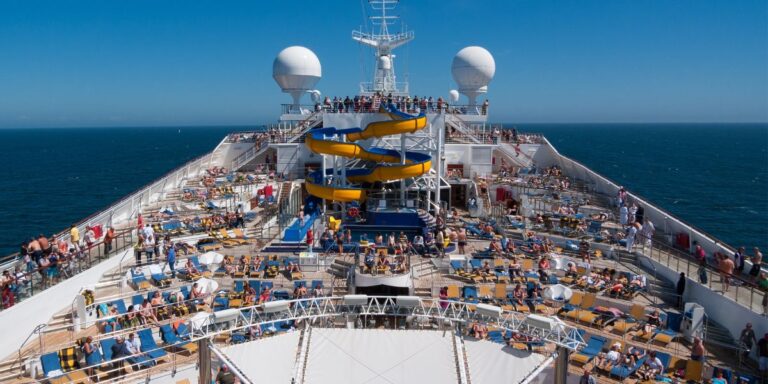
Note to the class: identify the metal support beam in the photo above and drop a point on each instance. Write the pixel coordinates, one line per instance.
(203, 361)
(561, 364)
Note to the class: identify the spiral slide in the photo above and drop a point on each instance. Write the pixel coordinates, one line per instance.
(416, 163)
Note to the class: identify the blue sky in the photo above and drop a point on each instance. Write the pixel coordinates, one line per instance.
(129, 63)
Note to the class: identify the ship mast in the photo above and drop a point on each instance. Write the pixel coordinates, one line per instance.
(384, 80)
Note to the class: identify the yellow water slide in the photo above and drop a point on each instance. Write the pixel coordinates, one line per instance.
(416, 164)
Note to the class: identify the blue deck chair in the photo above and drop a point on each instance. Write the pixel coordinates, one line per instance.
(256, 285)
(148, 344)
(664, 358)
(239, 287)
(137, 300)
(299, 283)
(50, 363)
(267, 284)
(183, 332)
(476, 264)
(120, 304)
(139, 280)
(184, 292)
(571, 245)
(170, 338)
(594, 346)
(106, 348)
(469, 293)
(220, 303)
(623, 371)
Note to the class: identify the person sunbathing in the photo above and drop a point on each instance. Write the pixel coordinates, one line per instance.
(479, 331)
(147, 312)
(653, 321)
(191, 269)
(572, 271)
(495, 247)
(515, 269)
(266, 294)
(606, 361)
(518, 296)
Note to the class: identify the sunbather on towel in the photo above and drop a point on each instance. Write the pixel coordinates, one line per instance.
(606, 361)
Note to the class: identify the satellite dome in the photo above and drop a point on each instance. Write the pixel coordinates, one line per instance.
(454, 94)
(296, 69)
(473, 68)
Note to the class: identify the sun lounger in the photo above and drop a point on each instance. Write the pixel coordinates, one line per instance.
(148, 345)
(170, 339)
(594, 346)
(138, 279)
(57, 374)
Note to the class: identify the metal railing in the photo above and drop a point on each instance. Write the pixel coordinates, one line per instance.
(741, 291)
(32, 278)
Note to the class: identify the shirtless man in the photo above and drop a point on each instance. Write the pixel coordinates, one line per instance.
(34, 249)
(726, 270)
(45, 245)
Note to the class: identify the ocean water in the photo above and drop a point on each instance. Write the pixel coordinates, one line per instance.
(712, 176)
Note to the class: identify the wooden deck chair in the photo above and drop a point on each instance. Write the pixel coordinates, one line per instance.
(453, 292)
(526, 264)
(637, 312)
(500, 292)
(240, 235)
(694, 371)
(586, 315)
(664, 336)
(228, 240)
(498, 263)
(484, 291)
(574, 306)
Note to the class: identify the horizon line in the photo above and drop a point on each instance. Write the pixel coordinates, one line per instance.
(163, 126)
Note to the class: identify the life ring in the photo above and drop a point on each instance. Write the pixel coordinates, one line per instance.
(353, 211)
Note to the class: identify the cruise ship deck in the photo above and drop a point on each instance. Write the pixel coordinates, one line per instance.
(380, 239)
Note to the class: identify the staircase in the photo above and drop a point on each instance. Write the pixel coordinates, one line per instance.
(429, 221)
(459, 125)
(339, 268)
(285, 192)
(295, 134)
(423, 268)
(657, 288)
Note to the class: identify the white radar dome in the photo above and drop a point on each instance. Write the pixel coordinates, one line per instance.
(296, 68)
(472, 69)
(454, 94)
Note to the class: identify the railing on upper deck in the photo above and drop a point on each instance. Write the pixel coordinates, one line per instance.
(31, 278)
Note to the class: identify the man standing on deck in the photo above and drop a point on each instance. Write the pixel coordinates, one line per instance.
(738, 257)
(680, 289)
(726, 270)
(74, 236)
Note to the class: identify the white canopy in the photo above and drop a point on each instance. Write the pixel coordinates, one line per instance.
(207, 286)
(558, 292)
(267, 360)
(211, 257)
(493, 363)
(378, 356)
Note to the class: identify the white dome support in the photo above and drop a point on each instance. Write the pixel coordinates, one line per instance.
(473, 69)
(296, 70)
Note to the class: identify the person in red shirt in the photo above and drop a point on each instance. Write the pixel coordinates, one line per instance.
(310, 240)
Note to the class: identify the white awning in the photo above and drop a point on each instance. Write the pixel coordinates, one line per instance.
(267, 360)
(378, 356)
(491, 363)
